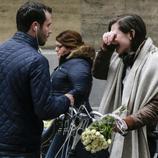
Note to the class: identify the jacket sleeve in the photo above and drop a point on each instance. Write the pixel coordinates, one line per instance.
(81, 78)
(45, 106)
(148, 115)
(101, 64)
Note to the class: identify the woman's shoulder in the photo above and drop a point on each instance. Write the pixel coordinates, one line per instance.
(153, 54)
(78, 61)
(77, 65)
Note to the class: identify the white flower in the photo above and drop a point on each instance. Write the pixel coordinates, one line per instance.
(97, 133)
(85, 142)
(93, 131)
(88, 148)
(101, 137)
(93, 151)
(105, 145)
(109, 141)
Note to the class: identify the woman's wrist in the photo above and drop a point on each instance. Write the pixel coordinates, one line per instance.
(130, 122)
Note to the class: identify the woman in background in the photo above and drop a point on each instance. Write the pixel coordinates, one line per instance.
(73, 76)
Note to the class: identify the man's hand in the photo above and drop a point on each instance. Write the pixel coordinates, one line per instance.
(71, 98)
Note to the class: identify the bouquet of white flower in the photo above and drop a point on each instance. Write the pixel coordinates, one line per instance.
(98, 135)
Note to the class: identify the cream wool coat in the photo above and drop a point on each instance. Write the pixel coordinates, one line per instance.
(140, 87)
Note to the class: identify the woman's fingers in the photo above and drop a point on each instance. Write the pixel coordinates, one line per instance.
(109, 37)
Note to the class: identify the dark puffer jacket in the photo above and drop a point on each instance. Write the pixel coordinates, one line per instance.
(73, 75)
(24, 95)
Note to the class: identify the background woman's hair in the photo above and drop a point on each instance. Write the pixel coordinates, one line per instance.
(70, 39)
(73, 40)
(129, 22)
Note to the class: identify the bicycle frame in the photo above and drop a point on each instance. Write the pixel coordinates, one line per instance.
(80, 119)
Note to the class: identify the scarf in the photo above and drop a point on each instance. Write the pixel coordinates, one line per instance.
(140, 87)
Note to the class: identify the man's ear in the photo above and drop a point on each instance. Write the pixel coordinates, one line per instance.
(35, 26)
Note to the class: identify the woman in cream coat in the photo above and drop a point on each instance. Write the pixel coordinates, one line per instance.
(128, 60)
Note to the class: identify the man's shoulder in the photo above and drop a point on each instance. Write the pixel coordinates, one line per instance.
(21, 52)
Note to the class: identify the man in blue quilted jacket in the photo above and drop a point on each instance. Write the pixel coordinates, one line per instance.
(25, 85)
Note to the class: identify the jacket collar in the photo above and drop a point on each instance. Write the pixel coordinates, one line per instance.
(26, 38)
(82, 53)
(87, 55)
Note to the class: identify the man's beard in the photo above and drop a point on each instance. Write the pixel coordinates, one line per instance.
(41, 40)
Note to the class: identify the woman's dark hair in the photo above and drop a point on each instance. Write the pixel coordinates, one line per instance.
(130, 22)
(70, 39)
(30, 12)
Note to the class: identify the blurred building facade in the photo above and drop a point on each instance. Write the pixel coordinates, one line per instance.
(90, 17)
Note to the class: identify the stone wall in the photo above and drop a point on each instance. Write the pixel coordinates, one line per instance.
(66, 15)
(90, 17)
(95, 15)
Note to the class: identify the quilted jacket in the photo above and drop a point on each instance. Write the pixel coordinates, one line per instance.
(25, 94)
(73, 75)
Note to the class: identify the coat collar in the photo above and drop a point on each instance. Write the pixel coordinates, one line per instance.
(26, 38)
(82, 53)
(87, 54)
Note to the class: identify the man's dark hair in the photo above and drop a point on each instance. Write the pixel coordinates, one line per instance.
(128, 22)
(30, 12)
